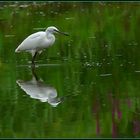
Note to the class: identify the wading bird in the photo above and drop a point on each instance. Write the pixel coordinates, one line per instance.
(38, 41)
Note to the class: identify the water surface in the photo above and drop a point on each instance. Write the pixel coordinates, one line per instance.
(85, 86)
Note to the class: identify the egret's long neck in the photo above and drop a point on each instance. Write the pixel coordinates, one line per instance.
(50, 36)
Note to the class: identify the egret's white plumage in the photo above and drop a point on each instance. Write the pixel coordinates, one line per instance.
(38, 41)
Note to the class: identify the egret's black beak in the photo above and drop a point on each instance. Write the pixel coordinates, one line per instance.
(62, 33)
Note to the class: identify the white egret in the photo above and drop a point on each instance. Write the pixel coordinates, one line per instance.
(38, 41)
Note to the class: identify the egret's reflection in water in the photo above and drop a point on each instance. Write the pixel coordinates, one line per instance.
(37, 89)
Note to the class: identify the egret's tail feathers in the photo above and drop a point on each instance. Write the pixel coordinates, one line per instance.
(17, 50)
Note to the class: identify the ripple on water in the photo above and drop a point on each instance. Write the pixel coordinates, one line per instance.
(39, 65)
(9, 35)
(104, 75)
(137, 71)
(69, 18)
(39, 28)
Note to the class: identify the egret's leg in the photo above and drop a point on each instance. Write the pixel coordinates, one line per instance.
(34, 73)
(33, 58)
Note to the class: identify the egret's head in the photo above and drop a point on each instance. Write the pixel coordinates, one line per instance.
(53, 30)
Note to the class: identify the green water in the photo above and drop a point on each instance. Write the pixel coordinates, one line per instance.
(92, 76)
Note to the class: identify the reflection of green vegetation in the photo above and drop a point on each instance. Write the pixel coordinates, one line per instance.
(104, 39)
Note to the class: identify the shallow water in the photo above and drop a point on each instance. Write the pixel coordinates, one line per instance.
(85, 86)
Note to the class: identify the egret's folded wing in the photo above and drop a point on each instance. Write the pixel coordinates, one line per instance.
(31, 42)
